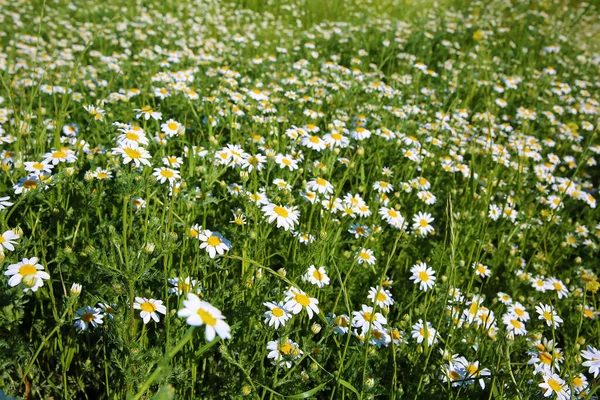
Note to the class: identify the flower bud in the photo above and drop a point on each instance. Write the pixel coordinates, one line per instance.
(76, 289)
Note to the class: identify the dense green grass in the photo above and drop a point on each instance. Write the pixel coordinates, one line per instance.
(441, 155)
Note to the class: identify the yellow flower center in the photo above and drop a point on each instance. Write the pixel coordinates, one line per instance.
(132, 153)
(282, 212)
(317, 275)
(30, 184)
(546, 358)
(206, 317)
(277, 312)
(59, 154)
(302, 299)
(381, 296)
(424, 223)
(286, 348)
(423, 276)
(87, 317)
(148, 307)
(167, 173)
(554, 385)
(213, 241)
(27, 269)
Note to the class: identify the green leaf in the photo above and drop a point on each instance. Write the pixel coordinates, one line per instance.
(308, 393)
(348, 385)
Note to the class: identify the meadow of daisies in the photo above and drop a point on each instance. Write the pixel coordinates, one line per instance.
(299, 199)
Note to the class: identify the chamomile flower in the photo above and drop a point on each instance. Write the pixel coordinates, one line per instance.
(296, 300)
(164, 174)
(7, 240)
(283, 352)
(554, 385)
(150, 308)
(366, 317)
(423, 276)
(557, 285)
(276, 315)
(548, 314)
(340, 323)
(172, 128)
(422, 224)
(89, 316)
(4, 202)
(182, 286)
(320, 185)
(199, 313)
(286, 217)
(27, 272)
(133, 152)
(382, 298)
(365, 256)
(147, 112)
(213, 242)
(424, 331)
(317, 276)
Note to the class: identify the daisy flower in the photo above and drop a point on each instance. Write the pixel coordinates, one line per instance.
(481, 270)
(276, 315)
(166, 174)
(341, 323)
(131, 135)
(147, 112)
(423, 275)
(7, 240)
(548, 314)
(359, 230)
(422, 332)
(286, 161)
(4, 202)
(62, 155)
(320, 185)
(107, 309)
(383, 187)
(392, 217)
(592, 355)
(213, 242)
(200, 313)
(513, 325)
(553, 384)
(38, 168)
(520, 311)
(382, 297)
(422, 224)
(182, 286)
(133, 152)
(317, 276)
(283, 352)
(150, 308)
(286, 217)
(366, 317)
(365, 256)
(89, 316)
(555, 284)
(28, 272)
(296, 300)
(172, 128)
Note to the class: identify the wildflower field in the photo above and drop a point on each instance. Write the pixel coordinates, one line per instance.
(280, 199)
